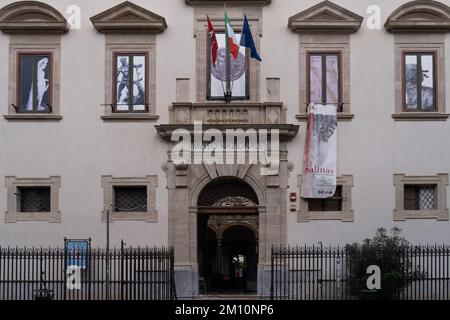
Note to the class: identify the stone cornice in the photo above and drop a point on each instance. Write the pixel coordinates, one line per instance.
(287, 131)
(229, 2)
(25, 17)
(420, 16)
(420, 116)
(325, 17)
(128, 17)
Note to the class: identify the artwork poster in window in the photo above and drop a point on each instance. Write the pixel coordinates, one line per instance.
(34, 83)
(130, 91)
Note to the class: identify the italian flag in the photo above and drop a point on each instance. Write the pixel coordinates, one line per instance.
(231, 38)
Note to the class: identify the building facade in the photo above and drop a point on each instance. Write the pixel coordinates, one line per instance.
(84, 133)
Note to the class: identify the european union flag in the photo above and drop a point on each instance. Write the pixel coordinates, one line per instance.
(247, 40)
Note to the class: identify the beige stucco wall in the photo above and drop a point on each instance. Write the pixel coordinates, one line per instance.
(81, 148)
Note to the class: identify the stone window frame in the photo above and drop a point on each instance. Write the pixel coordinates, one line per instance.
(108, 184)
(320, 43)
(13, 214)
(345, 215)
(129, 28)
(254, 16)
(324, 54)
(137, 44)
(42, 34)
(36, 44)
(420, 43)
(325, 26)
(440, 214)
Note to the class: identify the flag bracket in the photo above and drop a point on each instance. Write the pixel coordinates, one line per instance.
(227, 96)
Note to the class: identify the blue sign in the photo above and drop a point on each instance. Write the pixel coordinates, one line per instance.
(77, 253)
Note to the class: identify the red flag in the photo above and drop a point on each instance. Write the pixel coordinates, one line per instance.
(213, 42)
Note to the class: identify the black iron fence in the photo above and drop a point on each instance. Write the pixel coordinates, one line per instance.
(93, 274)
(334, 273)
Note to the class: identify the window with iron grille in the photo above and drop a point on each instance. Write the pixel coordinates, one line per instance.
(130, 199)
(420, 197)
(34, 199)
(329, 204)
(325, 79)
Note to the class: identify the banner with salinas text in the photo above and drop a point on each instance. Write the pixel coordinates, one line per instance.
(319, 159)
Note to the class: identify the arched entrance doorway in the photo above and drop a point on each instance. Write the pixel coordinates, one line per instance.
(227, 228)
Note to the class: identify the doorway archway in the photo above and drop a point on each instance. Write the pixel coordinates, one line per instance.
(227, 230)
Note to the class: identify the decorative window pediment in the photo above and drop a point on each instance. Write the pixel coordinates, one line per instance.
(325, 17)
(32, 17)
(128, 17)
(233, 2)
(420, 16)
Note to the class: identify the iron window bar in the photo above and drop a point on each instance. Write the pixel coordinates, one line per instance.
(133, 209)
(16, 108)
(339, 105)
(114, 106)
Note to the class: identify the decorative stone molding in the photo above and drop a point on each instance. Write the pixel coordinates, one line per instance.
(325, 17)
(125, 117)
(270, 113)
(220, 223)
(420, 16)
(13, 214)
(229, 2)
(345, 215)
(32, 17)
(32, 117)
(286, 131)
(440, 180)
(108, 184)
(420, 116)
(234, 202)
(128, 18)
(220, 170)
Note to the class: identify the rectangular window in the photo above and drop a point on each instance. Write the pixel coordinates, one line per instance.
(329, 204)
(130, 83)
(325, 79)
(34, 199)
(420, 197)
(34, 83)
(130, 199)
(419, 82)
(238, 72)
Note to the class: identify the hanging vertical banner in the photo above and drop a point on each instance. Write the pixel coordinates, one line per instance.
(319, 159)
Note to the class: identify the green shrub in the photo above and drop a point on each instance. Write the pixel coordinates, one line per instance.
(387, 252)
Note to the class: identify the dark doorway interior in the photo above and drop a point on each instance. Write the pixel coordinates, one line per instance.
(227, 264)
(227, 237)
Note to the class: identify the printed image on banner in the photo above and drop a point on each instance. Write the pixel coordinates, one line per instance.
(319, 160)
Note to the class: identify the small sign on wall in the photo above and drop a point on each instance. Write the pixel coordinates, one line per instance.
(77, 253)
(293, 201)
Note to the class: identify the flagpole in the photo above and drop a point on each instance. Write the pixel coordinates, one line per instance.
(227, 60)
